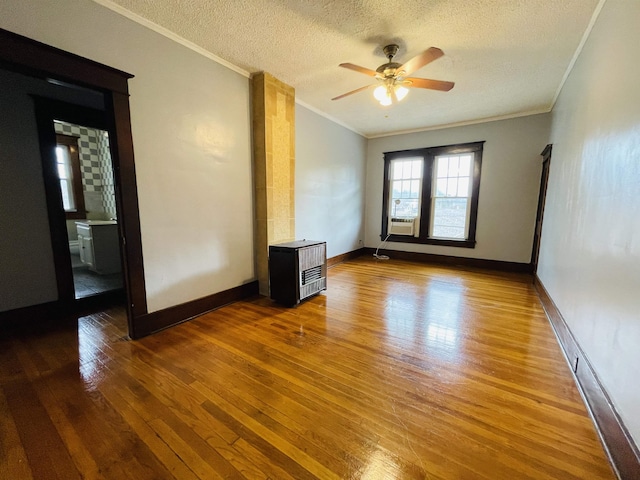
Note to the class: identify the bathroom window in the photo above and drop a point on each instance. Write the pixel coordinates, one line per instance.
(70, 176)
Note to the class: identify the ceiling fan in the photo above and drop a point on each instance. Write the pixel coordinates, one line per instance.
(393, 78)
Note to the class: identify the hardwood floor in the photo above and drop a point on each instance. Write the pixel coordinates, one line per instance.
(397, 371)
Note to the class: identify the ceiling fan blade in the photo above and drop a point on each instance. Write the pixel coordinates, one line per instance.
(421, 60)
(428, 83)
(358, 68)
(352, 92)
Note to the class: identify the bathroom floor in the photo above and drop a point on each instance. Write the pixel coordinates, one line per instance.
(89, 283)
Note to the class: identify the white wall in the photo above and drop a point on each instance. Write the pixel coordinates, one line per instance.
(590, 250)
(509, 184)
(191, 134)
(330, 183)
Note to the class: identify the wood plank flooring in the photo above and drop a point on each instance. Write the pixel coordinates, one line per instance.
(397, 371)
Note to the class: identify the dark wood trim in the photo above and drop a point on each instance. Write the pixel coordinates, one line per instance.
(464, 262)
(430, 241)
(40, 317)
(546, 153)
(121, 142)
(453, 149)
(475, 195)
(76, 176)
(36, 59)
(384, 226)
(71, 113)
(542, 197)
(168, 317)
(34, 314)
(44, 115)
(619, 445)
(344, 257)
(100, 301)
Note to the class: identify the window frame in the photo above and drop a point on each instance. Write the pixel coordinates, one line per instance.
(428, 155)
(71, 143)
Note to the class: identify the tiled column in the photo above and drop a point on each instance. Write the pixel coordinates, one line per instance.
(274, 167)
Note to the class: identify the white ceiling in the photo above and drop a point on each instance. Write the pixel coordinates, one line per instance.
(507, 57)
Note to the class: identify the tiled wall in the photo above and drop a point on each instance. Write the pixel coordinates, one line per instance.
(95, 165)
(106, 170)
(274, 167)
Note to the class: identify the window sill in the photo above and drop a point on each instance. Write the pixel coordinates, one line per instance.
(430, 241)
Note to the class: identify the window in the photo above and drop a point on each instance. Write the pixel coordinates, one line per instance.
(406, 182)
(451, 192)
(70, 176)
(431, 195)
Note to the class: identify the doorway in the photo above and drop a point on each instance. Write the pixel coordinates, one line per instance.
(80, 185)
(56, 67)
(87, 188)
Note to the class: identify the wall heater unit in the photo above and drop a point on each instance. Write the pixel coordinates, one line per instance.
(297, 270)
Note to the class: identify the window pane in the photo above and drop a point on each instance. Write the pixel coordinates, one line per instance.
(453, 167)
(448, 232)
(60, 154)
(63, 160)
(452, 187)
(397, 170)
(405, 207)
(406, 170)
(415, 188)
(442, 166)
(449, 217)
(62, 171)
(441, 188)
(463, 186)
(67, 197)
(465, 165)
(416, 169)
(396, 188)
(406, 188)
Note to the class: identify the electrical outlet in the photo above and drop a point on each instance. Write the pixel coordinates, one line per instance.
(359, 242)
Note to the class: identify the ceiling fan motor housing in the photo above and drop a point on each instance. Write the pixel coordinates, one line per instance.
(390, 51)
(389, 69)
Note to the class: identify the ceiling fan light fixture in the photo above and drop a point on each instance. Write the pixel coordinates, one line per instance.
(382, 93)
(401, 92)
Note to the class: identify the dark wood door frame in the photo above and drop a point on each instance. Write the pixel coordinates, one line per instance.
(26, 56)
(542, 197)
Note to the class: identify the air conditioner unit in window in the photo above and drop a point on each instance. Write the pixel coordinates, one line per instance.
(401, 226)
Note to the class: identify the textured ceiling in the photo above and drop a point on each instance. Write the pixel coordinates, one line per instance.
(507, 57)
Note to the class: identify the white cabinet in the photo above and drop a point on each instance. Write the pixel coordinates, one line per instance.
(99, 245)
(85, 244)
